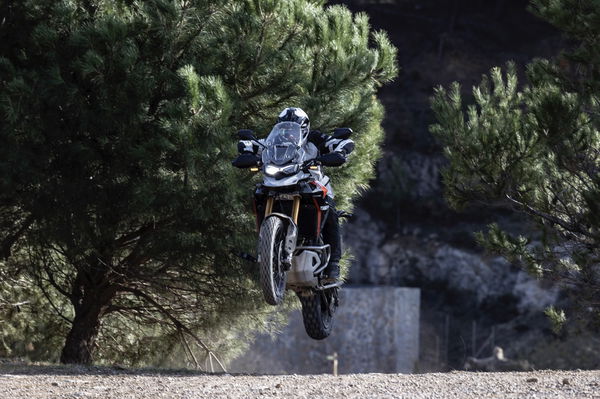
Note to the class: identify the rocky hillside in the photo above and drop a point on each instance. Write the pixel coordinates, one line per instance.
(404, 234)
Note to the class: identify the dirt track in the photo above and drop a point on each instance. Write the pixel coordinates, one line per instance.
(22, 381)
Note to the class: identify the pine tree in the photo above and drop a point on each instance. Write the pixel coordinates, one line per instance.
(538, 150)
(118, 121)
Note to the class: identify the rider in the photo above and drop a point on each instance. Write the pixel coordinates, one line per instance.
(318, 144)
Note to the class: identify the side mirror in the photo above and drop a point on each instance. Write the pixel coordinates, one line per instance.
(342, 133)
(246, 134)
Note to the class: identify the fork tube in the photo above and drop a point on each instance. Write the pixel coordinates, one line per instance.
(269, 207)
(296, 209)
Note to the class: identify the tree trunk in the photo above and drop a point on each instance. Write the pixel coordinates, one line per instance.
(90, 302)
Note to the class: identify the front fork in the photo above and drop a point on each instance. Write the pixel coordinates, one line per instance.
(295, 208)
(292, 233)
(269, 206)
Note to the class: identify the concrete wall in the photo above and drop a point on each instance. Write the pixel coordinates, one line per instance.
(376, 329)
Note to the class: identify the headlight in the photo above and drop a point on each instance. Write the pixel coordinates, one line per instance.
(272, 170)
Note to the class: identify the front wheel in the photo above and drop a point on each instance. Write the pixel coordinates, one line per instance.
(270, 253)
(317, 312)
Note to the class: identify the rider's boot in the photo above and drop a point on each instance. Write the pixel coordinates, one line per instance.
(331, 236)
(332, 272)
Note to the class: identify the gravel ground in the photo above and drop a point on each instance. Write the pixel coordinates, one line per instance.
(27, 381)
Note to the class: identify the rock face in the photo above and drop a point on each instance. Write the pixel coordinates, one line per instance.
(470, 301)
(376, 329)
(412, 259)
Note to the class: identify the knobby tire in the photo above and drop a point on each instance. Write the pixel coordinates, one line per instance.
(272, 275)
(318, 321)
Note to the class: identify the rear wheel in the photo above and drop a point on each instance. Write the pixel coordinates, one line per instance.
(317, 312)
(270, 252)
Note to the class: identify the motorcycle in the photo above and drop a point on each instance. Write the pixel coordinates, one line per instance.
(291, 209)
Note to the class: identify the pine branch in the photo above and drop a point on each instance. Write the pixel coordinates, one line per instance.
(176, 323)
(9, 241)
(567, 226)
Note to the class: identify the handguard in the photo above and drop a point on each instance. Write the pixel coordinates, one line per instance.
(332, 159)
(246, 160)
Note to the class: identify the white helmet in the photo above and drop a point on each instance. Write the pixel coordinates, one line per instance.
(293, 114)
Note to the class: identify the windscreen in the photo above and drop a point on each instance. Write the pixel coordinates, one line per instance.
(282, 143)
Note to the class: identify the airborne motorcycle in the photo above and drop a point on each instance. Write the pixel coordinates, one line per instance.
(290, 211)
